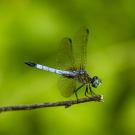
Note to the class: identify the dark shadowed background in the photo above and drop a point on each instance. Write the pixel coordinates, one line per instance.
(32, 30)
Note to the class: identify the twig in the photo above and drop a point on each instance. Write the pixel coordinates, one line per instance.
(98, 98)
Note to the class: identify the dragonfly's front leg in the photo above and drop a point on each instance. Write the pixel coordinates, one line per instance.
(91, 92)
(86, 91)
(75, 91)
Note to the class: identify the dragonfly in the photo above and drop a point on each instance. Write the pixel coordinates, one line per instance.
(71, 63)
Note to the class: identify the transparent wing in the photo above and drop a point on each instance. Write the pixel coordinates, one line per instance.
(65, 61)
(65, 58)
(79, 48)
(66, 86)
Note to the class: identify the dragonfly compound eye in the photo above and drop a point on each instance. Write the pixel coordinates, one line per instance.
(95, 81)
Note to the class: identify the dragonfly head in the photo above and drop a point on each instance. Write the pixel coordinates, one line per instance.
(95, 81)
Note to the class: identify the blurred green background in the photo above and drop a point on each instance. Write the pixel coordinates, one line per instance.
(31, 30)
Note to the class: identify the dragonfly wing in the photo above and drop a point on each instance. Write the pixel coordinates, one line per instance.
(65, 58)
(66, 86)
(65, 61)
(79, 47)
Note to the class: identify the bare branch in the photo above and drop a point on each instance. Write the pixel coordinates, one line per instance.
(69, 103)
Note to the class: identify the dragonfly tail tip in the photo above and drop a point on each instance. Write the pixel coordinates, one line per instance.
(30, 64)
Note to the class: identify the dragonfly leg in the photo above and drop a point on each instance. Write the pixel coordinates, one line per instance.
(91, 92)
(75, 91)
(76, 96)
(86, 91)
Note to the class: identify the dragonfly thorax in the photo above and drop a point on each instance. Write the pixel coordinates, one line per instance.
(81, 76)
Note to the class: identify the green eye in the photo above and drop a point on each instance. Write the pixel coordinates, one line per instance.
(95, 82)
